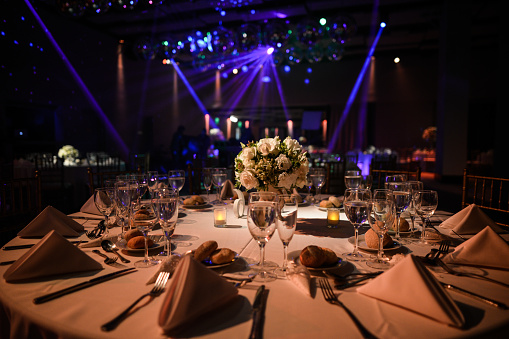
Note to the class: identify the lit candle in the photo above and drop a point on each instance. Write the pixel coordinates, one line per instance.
(332, 217)
(220, 217)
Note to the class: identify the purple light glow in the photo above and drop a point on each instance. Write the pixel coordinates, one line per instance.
(355, 89)
(123, 147)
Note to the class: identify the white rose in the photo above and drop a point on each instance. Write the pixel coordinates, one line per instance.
(248, 153)
(292, 144)
(248, 180)
(283, 162)
(267, 146)
(287, 180)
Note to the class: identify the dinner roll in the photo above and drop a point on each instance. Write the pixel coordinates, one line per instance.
(404, 226)
(132, 233)
(312, 256)
(222, 256)
(205, 250)
(330, 256)
(335, 201)
(139, 242)
(371, 239)
(198, 199)
(326, 203)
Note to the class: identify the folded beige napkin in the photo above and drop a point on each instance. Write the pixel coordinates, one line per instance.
(470, 220)
(194, 292)
(52, 255)
(411, 286)
(51, 219)
(89, 207)
(227, 190)
(299, 275)
(486, 248)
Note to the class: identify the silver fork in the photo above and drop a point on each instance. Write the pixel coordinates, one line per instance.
(158, 288)
(465, 274)
(107, 260)
(330, 297)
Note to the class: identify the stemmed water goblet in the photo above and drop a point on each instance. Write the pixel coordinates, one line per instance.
(218, 179)
(123, 196)
(426, 202)
(381, 216)
(177, 179)
(166, 205)
(382, 193)
(366, 182)
(415, 186)
(357, 206)
(152, 181)
(161, 181)
(261, 222)
(142, 181)
(402, 198)
(104, 199)
(144, 218)
(353, 179)
(286, 223)
(318, 177)
(395, 178)
(206, 175)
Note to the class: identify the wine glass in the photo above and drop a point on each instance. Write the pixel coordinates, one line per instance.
(309, 184)
(318, 177)
(206, 175)
(218, 179)
(353, 179)
(177, 179)
(357, 208)
(415, 186)
(395, 178)
(286, 224)
(402, 198)
(366, 182)
(142, 181)
(104, 199)
(261, 221)
(166, 204)
(152, 181)
(123, 201)
(381, 216)
(161, 181)
(144, 218)
(426, 202)
(382, 193)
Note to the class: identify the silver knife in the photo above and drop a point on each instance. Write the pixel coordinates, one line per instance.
(80, 286)
(488, 301)
(258, 312)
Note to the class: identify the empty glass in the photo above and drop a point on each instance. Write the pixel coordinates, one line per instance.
(286, 223)
(415, 186)
(426, 203)
(206, 176)
(402, 198)
(166, 203)
(144, 218)
(381, 217)
(218, 179)
(317, 175)
(177, 179)
(104, 199)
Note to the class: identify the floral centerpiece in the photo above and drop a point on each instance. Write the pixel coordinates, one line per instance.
(69, 154)
(271, 165)
(430, 136)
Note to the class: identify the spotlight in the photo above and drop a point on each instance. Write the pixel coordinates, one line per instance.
(323, 21)
(233, 118)
(397, 60)
(270, 50)
(287, 68)
(235, 71)
(382, 24)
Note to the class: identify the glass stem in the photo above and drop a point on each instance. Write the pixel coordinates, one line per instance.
(168, 243)
(423, 231)
(262, 257)
(106, 220)
(412, 217)
(145, 235)
(318, 191)
(398, 221)
(356, 243)
(380, 247)
(285, 258)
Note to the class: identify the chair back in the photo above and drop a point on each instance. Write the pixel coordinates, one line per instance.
(489, 193)
(96, 179)
(335, 177)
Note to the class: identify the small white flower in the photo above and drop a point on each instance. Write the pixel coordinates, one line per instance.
(287, 180)
(268, 146)
(292, 144)
(283, 162)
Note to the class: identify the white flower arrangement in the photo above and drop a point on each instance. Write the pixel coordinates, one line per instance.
(68, 152)
(271, 164)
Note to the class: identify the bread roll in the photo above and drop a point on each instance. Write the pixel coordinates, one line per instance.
(205, 250)
(142, 215)
(371, 239)
(198, 200)
(335, 201)
(312, 256)
(326, 204)
(132, 233)
(189, 201)
(222, 256)
(330, 256)
(139, 242)
(404, 226)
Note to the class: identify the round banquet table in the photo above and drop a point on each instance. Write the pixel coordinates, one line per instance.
(289, 312)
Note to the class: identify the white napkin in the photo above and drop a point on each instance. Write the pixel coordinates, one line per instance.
(299, 275)
(194, 292)
(470, 220)
(51, 219)
(227, 190)
(89, 207)
(486, 248)
(52, 255)
(411, 286)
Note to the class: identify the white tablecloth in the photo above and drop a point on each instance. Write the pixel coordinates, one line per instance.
(289, 313)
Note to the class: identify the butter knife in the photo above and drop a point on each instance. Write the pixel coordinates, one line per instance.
(258, 314)
(80, 286)
(478, 297)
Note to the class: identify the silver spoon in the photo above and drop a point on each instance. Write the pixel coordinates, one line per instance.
(109, 246)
